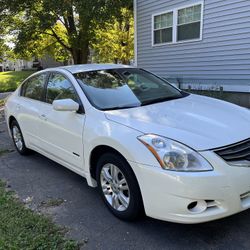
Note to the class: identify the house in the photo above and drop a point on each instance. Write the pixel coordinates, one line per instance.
(15, 65)
(196, 44)
(20, 64)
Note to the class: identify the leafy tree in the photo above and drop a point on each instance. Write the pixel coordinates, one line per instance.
(2, 49)
(114, 41)
(41, 45)
(79, 20)
(3, 46)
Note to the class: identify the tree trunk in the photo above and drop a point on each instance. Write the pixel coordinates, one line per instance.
(125, 61)
(80, 55)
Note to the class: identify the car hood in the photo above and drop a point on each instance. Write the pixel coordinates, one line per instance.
(200, 122)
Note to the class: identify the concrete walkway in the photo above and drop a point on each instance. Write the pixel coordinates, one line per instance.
(39, 181)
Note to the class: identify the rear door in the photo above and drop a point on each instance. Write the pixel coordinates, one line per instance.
(60, 132)
(28, 107)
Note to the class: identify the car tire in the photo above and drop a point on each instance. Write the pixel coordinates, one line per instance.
(18, 140)
(118, 187)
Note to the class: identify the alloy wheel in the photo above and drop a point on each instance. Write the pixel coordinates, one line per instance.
(17, 137)
(115, 187)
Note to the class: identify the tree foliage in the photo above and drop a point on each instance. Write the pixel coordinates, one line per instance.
(2, 49)
(70, 24)
(41, 45)
(114, 41)
(3, 31)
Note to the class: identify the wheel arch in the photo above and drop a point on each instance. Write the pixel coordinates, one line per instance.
(96, 153)
(11, 119)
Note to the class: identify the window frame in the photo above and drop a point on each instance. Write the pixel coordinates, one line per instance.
(81, 107)
(159, 29)
(175, 25)
(29, 79)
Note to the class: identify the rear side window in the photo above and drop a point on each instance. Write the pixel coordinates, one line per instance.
(34, 87)
(59, 87)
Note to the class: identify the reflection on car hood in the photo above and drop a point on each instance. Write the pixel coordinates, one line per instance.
(199, 122)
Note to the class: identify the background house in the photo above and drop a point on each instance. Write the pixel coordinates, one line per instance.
(196, 44)
(15, 65)
(19, 64)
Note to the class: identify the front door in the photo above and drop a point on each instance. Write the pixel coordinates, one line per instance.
(61, 132)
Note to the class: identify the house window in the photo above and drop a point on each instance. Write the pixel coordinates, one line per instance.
(163, 28)
(189, 23)
(178, 25)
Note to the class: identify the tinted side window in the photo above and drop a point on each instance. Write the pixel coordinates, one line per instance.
(59, 87)
(34, 87)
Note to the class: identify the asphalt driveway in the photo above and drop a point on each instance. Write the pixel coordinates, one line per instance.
(38, 180)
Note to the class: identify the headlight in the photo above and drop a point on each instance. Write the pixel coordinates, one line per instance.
(173, 155)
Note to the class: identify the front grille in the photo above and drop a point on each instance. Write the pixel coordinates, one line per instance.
(245, 195)
(235, 152)
(245, 200)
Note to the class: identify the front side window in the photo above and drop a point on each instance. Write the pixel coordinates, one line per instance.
(181, 24)
(124, 88)
(163, 28)
(33, 88)
(59, 87)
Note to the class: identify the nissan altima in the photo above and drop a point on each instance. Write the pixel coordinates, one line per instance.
(147, 146)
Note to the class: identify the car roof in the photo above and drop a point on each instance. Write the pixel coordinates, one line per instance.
(90, 67)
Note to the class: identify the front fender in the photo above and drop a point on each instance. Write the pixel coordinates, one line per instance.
(117, 136)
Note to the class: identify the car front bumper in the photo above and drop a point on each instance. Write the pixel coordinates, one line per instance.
(194, 197)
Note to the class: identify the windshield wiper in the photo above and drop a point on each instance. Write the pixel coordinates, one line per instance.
(162, 99)
(121, 107)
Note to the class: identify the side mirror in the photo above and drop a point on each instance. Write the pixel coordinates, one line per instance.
(65, 105)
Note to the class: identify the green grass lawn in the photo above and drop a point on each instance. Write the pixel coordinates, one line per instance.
(21, 228)
(10, 80)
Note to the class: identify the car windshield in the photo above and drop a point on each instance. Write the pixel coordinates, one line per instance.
(125, 88)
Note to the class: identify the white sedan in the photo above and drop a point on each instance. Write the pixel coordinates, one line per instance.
(148, 146)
